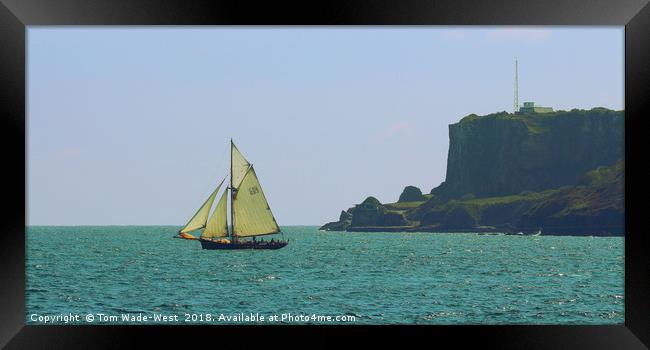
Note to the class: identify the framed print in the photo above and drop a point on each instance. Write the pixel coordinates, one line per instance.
(457, 170)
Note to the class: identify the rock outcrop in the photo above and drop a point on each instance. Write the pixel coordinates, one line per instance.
(345, 219)
(368, 215)
(411, 194)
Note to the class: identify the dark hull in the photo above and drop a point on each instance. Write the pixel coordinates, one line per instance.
(206, 244)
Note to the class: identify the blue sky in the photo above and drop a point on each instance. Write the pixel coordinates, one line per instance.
(131, 125)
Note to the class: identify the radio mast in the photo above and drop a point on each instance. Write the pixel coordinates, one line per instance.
(516, 103)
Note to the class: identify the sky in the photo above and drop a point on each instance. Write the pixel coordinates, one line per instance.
(131, 125)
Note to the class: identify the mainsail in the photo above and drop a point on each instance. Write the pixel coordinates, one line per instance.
(201, 217)
(218, 224)
(251, 213)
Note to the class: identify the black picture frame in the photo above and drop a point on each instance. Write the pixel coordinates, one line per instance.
(15, 15)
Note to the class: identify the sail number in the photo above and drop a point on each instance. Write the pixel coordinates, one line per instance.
(253, 190)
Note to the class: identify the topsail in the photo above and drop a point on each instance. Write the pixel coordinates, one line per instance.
(239, 166)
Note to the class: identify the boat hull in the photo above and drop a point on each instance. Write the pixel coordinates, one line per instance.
(187, 238)
(212, 245)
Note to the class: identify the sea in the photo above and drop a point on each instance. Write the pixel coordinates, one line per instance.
(141, 275)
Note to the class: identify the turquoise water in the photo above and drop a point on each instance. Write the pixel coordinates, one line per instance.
(378, 278)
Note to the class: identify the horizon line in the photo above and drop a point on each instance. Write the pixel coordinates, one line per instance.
(125, 225)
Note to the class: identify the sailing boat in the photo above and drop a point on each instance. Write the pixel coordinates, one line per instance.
(250, 213)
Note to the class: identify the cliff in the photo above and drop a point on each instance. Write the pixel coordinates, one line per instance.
(560, 172)
(503, 154)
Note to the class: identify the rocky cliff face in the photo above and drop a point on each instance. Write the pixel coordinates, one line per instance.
(503, 154)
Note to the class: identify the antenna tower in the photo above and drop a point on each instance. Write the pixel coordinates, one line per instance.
(516, 103)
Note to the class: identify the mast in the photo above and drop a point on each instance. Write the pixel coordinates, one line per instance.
(232, 199)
